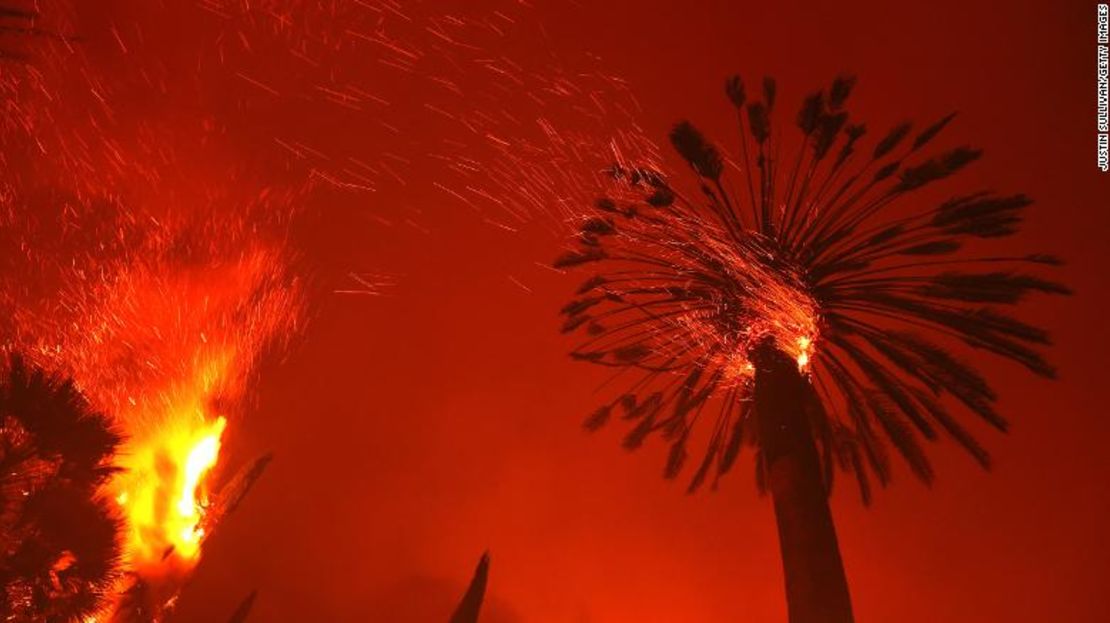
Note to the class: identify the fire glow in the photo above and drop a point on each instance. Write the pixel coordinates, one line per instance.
(164, 490)
(155, 279)
(775, 306)
(204, 327)
(147, 263)
(165, 337)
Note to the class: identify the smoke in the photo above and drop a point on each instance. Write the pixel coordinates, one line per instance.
(157, 157)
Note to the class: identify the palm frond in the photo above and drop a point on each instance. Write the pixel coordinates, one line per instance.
(827, 259)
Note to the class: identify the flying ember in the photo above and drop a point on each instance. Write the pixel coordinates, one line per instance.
(164, 335)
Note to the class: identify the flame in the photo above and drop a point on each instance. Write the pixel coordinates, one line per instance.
(775, 306)
(163, 492)
(199, 460)
(190, 336)
(165, 337)
(150, 267)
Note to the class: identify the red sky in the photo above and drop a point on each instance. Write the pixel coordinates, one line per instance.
(414, 430)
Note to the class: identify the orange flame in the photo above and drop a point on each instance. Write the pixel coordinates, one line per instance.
(804, 350)
(146, 265)
(776, 307)
(163, 491)
(165, 337)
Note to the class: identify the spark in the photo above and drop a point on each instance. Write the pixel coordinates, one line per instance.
(166, 290)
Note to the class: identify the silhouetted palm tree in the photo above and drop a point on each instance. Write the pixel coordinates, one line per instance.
(59, 551)
(809, 314)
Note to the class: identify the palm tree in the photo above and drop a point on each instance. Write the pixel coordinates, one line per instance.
(809, 315)
(59, 551)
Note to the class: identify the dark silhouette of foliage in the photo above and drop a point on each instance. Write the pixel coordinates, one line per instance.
(244, 609)
(471, 605)
(818, 257)
(889, 297)
(467, 611)
(58, 538)
(16, 26)
(23, 32)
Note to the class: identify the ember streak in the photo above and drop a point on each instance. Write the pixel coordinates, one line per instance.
(159, 271)
(139, 260)
(167, 170)
(165, 340)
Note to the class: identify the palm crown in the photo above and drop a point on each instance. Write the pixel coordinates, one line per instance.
(59, 547)
(810, 260)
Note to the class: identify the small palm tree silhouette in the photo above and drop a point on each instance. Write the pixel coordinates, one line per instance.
(804, 315)
(59, 552)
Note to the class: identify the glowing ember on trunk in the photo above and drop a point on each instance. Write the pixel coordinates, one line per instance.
(805, 347)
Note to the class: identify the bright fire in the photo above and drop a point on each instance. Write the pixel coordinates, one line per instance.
(774, 305)
(165, 337)
(145, 263)
(805, 348)
(164, 494)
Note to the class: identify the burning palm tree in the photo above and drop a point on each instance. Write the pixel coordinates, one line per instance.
(59, 550)
(809, 315)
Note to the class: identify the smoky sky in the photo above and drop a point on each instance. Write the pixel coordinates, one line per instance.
(426, 411)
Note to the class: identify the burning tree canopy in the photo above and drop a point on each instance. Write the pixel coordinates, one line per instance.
(163, 336)
(138, 261)
(802, 258)
(803, 314)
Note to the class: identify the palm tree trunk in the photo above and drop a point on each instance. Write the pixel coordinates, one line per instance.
(816, 588)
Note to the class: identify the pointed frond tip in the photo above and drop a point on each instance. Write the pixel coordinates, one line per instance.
(470, 606)
(692, 145)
